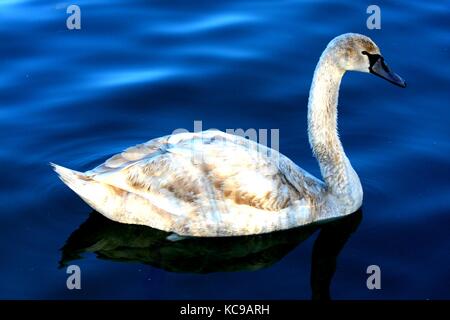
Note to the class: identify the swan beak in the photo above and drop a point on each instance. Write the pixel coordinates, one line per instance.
(381, 69)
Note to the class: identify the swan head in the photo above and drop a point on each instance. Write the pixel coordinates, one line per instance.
(356, 52)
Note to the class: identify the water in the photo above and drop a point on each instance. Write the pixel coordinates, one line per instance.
(138, 70)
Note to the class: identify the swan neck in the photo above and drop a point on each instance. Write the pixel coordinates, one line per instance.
(337, 173)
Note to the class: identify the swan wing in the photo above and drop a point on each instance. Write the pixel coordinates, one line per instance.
(208, 174)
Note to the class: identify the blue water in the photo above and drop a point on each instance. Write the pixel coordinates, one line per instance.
(140, 69)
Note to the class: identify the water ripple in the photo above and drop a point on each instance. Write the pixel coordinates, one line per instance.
(213, 22)
(127, 77)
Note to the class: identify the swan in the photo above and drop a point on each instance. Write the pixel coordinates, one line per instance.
(213, 184)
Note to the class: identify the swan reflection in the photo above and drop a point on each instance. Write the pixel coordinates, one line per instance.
(121, 242)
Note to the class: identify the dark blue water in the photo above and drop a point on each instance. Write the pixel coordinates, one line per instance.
(141, 69)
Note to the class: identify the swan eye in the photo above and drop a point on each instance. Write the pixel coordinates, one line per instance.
(373, 58)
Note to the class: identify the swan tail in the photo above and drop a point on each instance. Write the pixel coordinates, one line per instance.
(94, 193)
(112, 202)
(75, 180)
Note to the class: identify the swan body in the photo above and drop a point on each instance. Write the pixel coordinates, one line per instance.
(209, 184)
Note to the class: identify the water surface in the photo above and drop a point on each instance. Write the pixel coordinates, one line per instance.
(138, 70)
